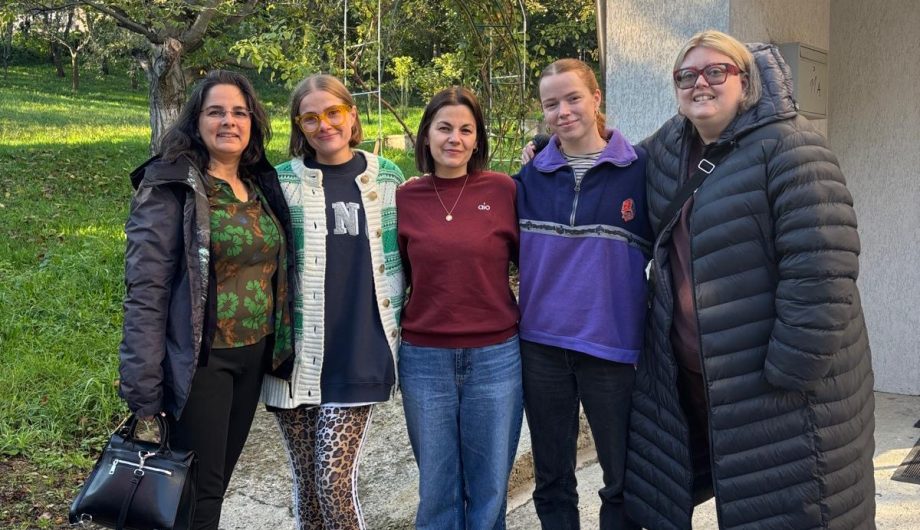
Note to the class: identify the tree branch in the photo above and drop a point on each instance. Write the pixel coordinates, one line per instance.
(193, 37)
(247, 9)
(125, 21)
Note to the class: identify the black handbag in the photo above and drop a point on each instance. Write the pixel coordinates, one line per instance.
(139, 485)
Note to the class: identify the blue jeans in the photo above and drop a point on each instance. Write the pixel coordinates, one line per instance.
(555, 381)
(463, 410)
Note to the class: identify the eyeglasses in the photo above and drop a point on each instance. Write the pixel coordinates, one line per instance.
(219, 113)
(714, 74)
(335, 115)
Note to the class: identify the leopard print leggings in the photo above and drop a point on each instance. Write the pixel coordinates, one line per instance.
(324, 445)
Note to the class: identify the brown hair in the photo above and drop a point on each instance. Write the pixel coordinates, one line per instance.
(183, 137)
(734, 50)
(586, 74)
(455, 95)
(299, 146)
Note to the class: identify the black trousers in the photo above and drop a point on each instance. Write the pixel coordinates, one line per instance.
(216, 421)
(555, 381)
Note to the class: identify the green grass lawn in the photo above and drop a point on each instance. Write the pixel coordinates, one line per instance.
(64, 195)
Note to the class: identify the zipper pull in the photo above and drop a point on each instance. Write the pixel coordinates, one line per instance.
(113, 466)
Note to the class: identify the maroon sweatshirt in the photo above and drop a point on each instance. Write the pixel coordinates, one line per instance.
(458, 270)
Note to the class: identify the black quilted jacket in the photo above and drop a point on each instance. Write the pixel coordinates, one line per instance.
(784, 347)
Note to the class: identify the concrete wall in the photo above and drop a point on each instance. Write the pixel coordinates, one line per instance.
(780, 21)
(643, 37)
(874, 128)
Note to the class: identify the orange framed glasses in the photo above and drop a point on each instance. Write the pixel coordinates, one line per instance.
(309, 122)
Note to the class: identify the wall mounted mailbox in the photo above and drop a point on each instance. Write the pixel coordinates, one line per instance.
(809, 77)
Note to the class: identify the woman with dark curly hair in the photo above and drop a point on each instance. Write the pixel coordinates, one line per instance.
(207, 269)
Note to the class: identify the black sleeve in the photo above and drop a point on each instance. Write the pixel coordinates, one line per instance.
(153, 253)
(817, 251)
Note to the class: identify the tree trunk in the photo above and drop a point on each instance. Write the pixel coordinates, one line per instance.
(7, 45)
(56, 60)
(75, 71)
(163, 66)
(104, 69)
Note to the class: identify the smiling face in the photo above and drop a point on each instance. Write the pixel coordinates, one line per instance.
(331, 142)
(710, 108)
(225, 137)
(570, 107)
(451, 140)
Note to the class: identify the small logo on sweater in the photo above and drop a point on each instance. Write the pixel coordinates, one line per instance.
(484, 207)
(628, 210)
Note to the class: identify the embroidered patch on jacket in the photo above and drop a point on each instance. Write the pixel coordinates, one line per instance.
(628, 210)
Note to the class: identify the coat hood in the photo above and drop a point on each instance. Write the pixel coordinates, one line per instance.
(776, 102)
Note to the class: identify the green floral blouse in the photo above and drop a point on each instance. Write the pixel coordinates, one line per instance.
(245, 249)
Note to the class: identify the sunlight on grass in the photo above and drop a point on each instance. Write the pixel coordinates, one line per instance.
(113, 232)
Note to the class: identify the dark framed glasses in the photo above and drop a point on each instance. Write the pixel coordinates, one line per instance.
(309, 121)
(714, 74)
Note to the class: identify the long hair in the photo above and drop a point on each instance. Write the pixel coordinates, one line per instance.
(299, 146)
(734, 50)
(454, 95)
(586, 74)
(183, 138)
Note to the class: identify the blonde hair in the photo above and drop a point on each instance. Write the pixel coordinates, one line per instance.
(734, 50)
(586, 74)
(299, 145)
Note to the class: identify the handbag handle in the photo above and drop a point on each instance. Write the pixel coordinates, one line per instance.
(128, 430)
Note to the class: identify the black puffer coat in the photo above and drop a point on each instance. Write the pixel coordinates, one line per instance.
(785, 353)
(170, 300)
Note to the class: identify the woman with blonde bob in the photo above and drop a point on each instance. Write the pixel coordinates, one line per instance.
(755, 382)
(346, 303)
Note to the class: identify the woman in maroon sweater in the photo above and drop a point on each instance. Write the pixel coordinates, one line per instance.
(459, 363)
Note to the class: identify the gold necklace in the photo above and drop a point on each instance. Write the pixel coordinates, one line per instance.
(449, 217)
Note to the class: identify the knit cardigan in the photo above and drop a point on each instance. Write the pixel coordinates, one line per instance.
(303, 190)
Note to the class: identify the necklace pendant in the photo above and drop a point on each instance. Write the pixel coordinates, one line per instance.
(449, 217)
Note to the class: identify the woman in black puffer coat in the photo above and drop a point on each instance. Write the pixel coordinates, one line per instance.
(756, 380)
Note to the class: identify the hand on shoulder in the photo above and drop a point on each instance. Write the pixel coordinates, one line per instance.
(406, 182)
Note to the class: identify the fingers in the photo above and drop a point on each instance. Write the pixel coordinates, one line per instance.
(527, 153)
(408, 180)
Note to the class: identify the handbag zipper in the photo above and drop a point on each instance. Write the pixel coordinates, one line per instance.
(135, 464)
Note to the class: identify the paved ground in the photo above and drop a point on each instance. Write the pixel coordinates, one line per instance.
(259, 496)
